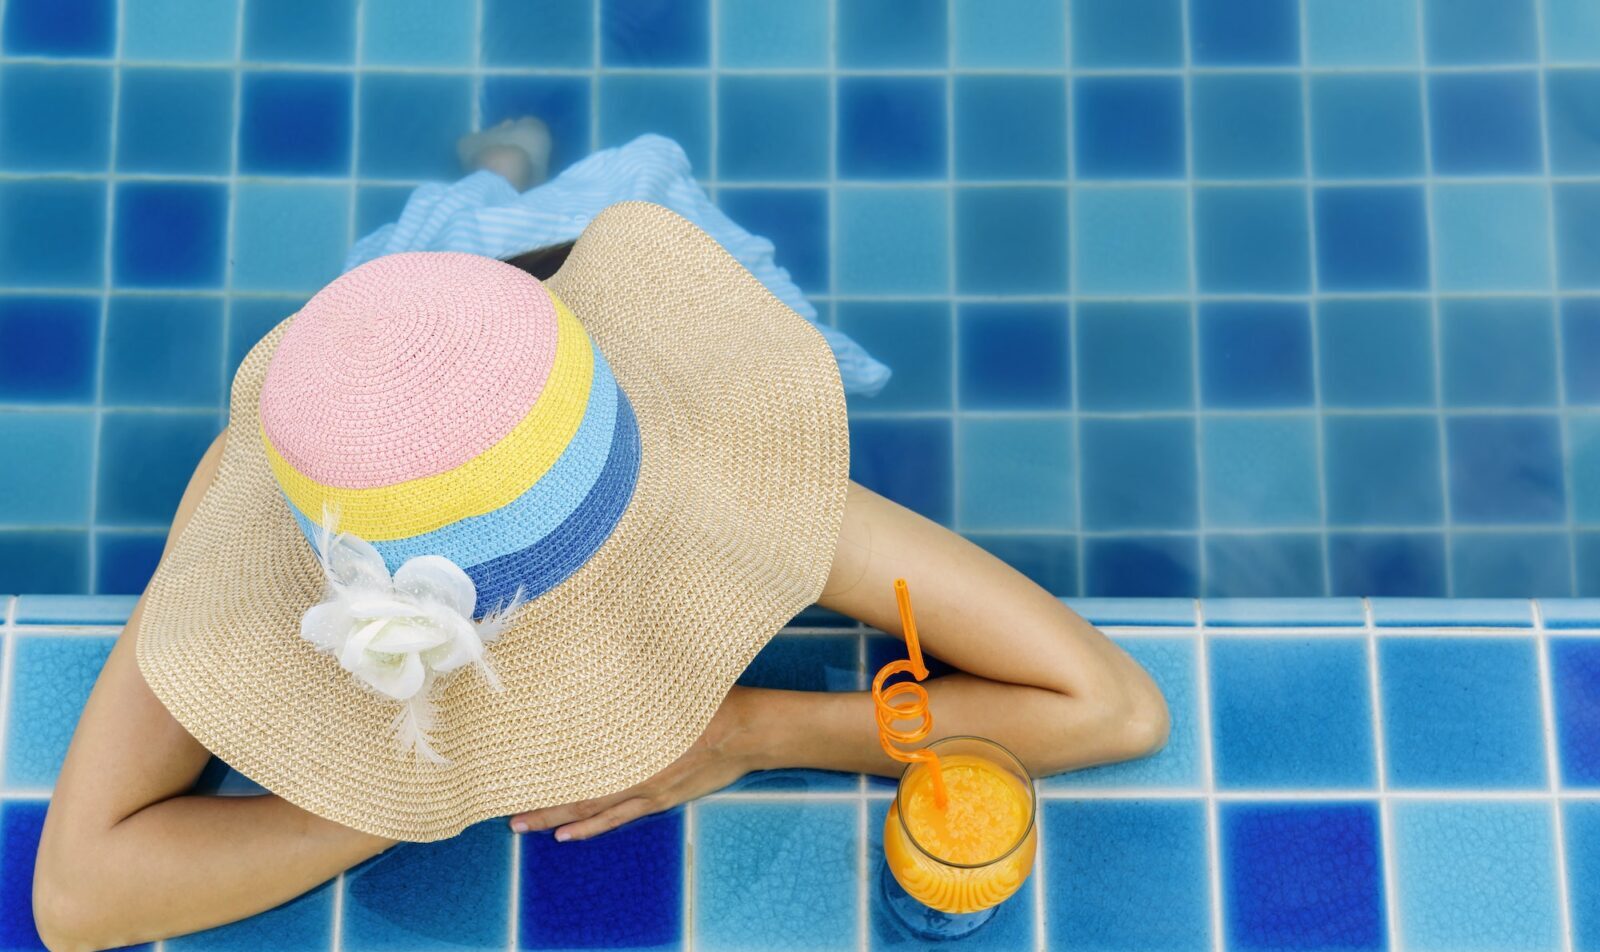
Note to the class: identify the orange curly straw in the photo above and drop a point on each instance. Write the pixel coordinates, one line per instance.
(917, 710)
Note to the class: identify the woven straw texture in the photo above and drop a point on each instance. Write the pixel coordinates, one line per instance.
(611, 675)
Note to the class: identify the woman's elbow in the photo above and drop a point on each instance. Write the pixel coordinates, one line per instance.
(65, 913)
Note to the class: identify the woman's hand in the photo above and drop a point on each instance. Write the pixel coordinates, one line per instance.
(722, 754)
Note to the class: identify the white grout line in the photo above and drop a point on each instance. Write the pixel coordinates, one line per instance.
(1208, 766)
(952, 265)
(688, 882)
(355, 123)
(228, 297)
(514, 902)
(1390, 878)
(1193, 302)
(336, 938)
(1553, 776)
(1312, 312)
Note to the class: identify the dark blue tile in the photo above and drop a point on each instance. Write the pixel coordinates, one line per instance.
(304, 922)
(538, 33)
(296, 123)
(1498, 352)
(1010, 127)
(891, 127)
(1051, 561)
(1302, 876)
(410, 123)
(772, 128)
(766, 873)
(805, 663)
(1255, 354)
(910, 461)
(1581, 826)
(655, 32)
(21, 822)
(1382, 470)
(1366, 126)
(1384, 564)
(1252, 240)
(170, 234)
(1291, 713)
(379, 205)
(249, 319)
(145, 461)
(678, 107)
(160, 351)
(561, 101)
(61, 28)
(300, 31)
(1577, 207)
(796, 221)
(752, 34)
(55, 118)
(1506, 469)
(1244, 32)
(915, 338)
(623, 889)
(1015, 356)
(1128, 127)
(1465, 32)
(1580, 342)
(876, 34)
(1575, 684)
(455, 892)
(1138, 870)
(1371, 238)
(1574, 123)
(1485, 123)
(1121, 34)
(52, 233)
(1461, 713)
(49, 348)
(48, 484)
(1138, 474)
(175, 121)
(124, 561)
(1375, 353)
(1260, 566)
(1011, 240)
(815, 616)
(45, 562)
(1134, 356)
(1247, 126)
(882, 649)
(1142, 567)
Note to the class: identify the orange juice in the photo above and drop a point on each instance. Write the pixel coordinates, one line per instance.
(975, 853)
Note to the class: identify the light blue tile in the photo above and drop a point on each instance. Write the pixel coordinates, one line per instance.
(50, 681)
(887, 34)
(1583, 446)
(1361, 32)
(1452, 613)
(1492, 237)
(1569, 613)
(418, 33)
(1132, 241)
(47, 481)
(891, 241)
(74, 609)
(186, 30)
(775, 876)
(1009, 33)
(249, 319)
(1016, 474)
(1475, 875)
(1510, 564)
(289, 237)
(1577, 234)
(1138, 612)
(1284, 612)
(454, 893)
(763, 35)
(304, 922)
(1260, 472)
(1572, 31)
(145, 460)
(162, 351)
(1172, 663)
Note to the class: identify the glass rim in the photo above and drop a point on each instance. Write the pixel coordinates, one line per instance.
(1033, 804)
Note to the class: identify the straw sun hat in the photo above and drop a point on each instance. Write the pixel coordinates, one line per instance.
(478, 544)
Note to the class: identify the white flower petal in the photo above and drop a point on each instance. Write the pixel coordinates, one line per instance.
(354, 654)
(400, 680)
(437, 579)
(356, 564)
(327, 625)
(464, 646)
(404, 638)
(376, 605)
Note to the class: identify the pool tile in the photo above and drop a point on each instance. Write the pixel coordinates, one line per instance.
(1570, 613)
(1583, 451)
(1136, 873)
(1172, 664)
(796, 221)
(883, 34)
(916, 338)
(1130, 241)
(1371, 238)
(1142, 566)
(1291, 713)
(170, 235)
(410, 123)
(1498, 352)
(1382, 470)
(1024, 245)
(1375, 352)
(305, 921)
(1255, 355)
(1005, 128)
(74, 610)
(21, 822)
(1247, 126)
(1123, 34)
(1361, 32)
(892, 241)
(1451, 613)
(300, 31)
(46, 561)
(60, 28)
(49, 349)
(296, 123)
(1010, 33)
(1302, 876)
(249, 319)
(1134, 356)
(1278, 563)
(53, 487)
(55, 118)
(562, 102)
(1284, 612)
(199, 31)
(1140, 612)
(1485, 123)
(1492, 237)
(1461, 713)
(1470, 32)
(1049, 559)
(125, 561)
(1014, 356)
(1570, 95)
(1366, 126)
(1511, 564)
(772, 128)
(1387, 564)
(1575, 686)
(1128, 127)
(289, 237)
(1587, 546)
(175, 121)
(1506, 469)
(645, 33)
(454, 892)
(678, 107)
(1251, 240)
(50, 682)
(891, 127)
(1571, 31)
(757, 34)
(1016, 474)
(1581, 825)
(146, 459)
(1577, 208)
(1244, 32)
(539, 33)
(775, 875)
(805, 663)
(419, 33)
(1475, 875)
(622, 889)
(160, 350)
(1138, 474)
(1260, 472)
(52, 233)
(909, 461)
(379, 205)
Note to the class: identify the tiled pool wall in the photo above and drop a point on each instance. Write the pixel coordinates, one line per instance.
(1342, 773)
(1183, 297)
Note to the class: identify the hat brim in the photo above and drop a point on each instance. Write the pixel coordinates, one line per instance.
(610, 676)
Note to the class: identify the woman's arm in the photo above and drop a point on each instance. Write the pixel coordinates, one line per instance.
(126, 856)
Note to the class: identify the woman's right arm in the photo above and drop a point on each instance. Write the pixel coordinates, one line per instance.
(128, 856)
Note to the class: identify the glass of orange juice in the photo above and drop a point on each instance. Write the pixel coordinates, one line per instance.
(946, 871)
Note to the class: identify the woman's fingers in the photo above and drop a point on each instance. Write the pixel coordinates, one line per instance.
(624, 812)
(548, 817)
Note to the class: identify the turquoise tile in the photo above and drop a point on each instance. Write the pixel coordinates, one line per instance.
(1016, 474)
(1572, 31)
(539, 33)
(160, 350)
(1127, 34)
(455, 893)
(1570, 613)
(1498, 352)
(757, 34)
(50, 681)
(1583, 446)
(675, 106)
(1473, 32)
(289, 237)
(1284, 612)
(1130, 241)
(74, 609)
(1361, 32)
(1452, 613)
(1006, 127)
(419, 33)
(890, 34)
(1581, 828)
(1375, 352)
(891, 241)
(1009, 33)
(1366, 125)
(183, 30)
(1247, 126)
(1570, 95)
(51, 484)
(1021, 245)
(1252, 240)
(1492, 237)
(1139, 612)
(1134, 356)
(1260, 471)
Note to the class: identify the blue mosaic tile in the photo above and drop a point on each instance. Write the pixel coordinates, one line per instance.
(1361, 32)
(1172, 664)
(649, 33)
(772, 128)
(300, 31)
(1243, 566)
(1469, 32)
(1382, 470)
(1302, 876)
(1049, 560)
(146, 460)
(879, 34)
(1575, 685)
(1135, 872)
(796, 221)
(1124, 34)
(1498, 352)
(1138, 474)
(1251, 240)
(1260, 471)
(72, 610)
(1366, 126)
(305, 922)
(1255, 355)
(1577, 208)
(174, 121)
(52, 233)
(998, 129)
(410, 123)
(678, 107)
(805, 663)
(55, 118)
(1479, 875)
(60, 28)
(155, 346)
(622, 889)
(1130, 241)
(1142, 567)
(1571, 31)
(1452, 613)
(755, 34)
(1247, 126)
(379, 205)
(561, 102)
(1291, 713)
(288, 237)
(1484, 123)
(20, 824)
(1371, 238)
(1569, 107)
(915, 338)
(1375, 352)
(53, 488)
(1244, 32)
(891, 127)
(1587, 546)
(419, 33)
(1134, 356)
(1014, 356)
(180, 30)
(907, 460)
(1506, 469)
(1461, 713)
(249, 319)
(1583, 449)
(1016, 474)
(1009, 33)
(1025, 251)
(539, 33)
(125, 561)
(418, 895)
(170, 235)
(1581, 827)
(1492, 237)
(775, 875)
(1141, 612)
(1284, 612)
(1570, 613)
(295, 123)
(891, 241)
(46, 562)
(1128, 127)
(1510, 565)
(50, 682)
(49, 349)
